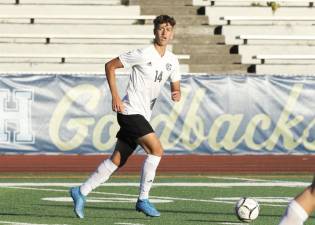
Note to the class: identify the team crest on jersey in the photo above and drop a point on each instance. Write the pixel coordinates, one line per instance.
(168, 66)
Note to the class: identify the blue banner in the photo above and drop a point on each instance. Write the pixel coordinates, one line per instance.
(71, 114)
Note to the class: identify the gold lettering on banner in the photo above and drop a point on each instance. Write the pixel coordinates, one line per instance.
(227, 141)
(306, 133)
(191, 123)
(99, 129)
(284, 123)
(79, 125)
(191, 131)
(260, 119)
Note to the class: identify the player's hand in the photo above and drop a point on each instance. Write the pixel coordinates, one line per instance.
(176, 96)
(117, 105)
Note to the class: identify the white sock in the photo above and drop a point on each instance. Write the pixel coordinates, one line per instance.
(147, 176)
(294, 215)
(102, 173)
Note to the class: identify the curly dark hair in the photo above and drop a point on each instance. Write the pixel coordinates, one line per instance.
(163, 19)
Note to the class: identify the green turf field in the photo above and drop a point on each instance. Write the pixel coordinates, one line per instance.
(27, 199)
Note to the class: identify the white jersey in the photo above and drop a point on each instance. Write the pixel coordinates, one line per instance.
(149, 73)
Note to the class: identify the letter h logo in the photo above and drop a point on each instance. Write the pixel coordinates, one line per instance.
(15, 108)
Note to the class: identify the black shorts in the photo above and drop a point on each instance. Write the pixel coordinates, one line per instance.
(132, 127)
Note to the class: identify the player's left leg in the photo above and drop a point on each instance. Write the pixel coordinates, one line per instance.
(107, 167)
(119, 157)
(152, 146)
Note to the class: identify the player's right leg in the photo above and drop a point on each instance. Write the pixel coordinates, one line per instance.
(100, 175)
(300, 208)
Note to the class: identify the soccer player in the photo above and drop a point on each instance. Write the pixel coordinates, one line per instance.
(150, 67)
(301, 207)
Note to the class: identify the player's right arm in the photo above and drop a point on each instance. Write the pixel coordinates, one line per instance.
(110, 67)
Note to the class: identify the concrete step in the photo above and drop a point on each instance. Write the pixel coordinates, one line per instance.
(205, 39)
(191, 20)
(183, 30)
(284, 69)
(75, 29)
(248, 51)
(231, 32)
(68, 2)
(202, 48)
(215, 13)
(218, 68)
(80, 49)
(204, 58)
(166, 2)
(63, 68)
(175, 10)
(7, 2)
(69, 10)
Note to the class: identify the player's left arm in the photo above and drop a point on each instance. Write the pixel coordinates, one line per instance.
(175, 91)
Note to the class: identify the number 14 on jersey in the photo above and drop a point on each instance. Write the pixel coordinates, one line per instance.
(158, 76)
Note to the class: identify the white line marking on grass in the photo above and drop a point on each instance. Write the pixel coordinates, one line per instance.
(283, 201)
(102, 200)
(259, 199)
(129, 223)
(38, 189)
(19, 223)
(228, 223)
(129, 195)
(39, 184)
(221, 184)
(156, 198)
(237, 178)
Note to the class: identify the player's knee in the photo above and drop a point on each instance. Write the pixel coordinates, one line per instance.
(123, 160)
(116, 160)
(122, 163)
(158, 152)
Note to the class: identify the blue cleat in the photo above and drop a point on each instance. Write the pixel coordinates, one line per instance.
(79, 201)
(147, 208)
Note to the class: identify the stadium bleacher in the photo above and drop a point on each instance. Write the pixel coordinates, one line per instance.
(56, 36)
(272, 40)
(211, 36)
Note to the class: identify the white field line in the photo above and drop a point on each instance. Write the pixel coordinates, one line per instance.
(180, 184)
(153, 197)
(126, 195)
(229, 223)
(105, 199)
(18, 223)
(237, 178)
(129, 223)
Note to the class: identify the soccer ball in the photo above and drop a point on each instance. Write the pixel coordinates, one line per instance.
(247, 209)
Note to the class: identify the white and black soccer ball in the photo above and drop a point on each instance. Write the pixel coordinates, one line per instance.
(247, 209)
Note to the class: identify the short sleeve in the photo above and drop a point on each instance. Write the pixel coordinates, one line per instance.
(131, 58)
(175, 75)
